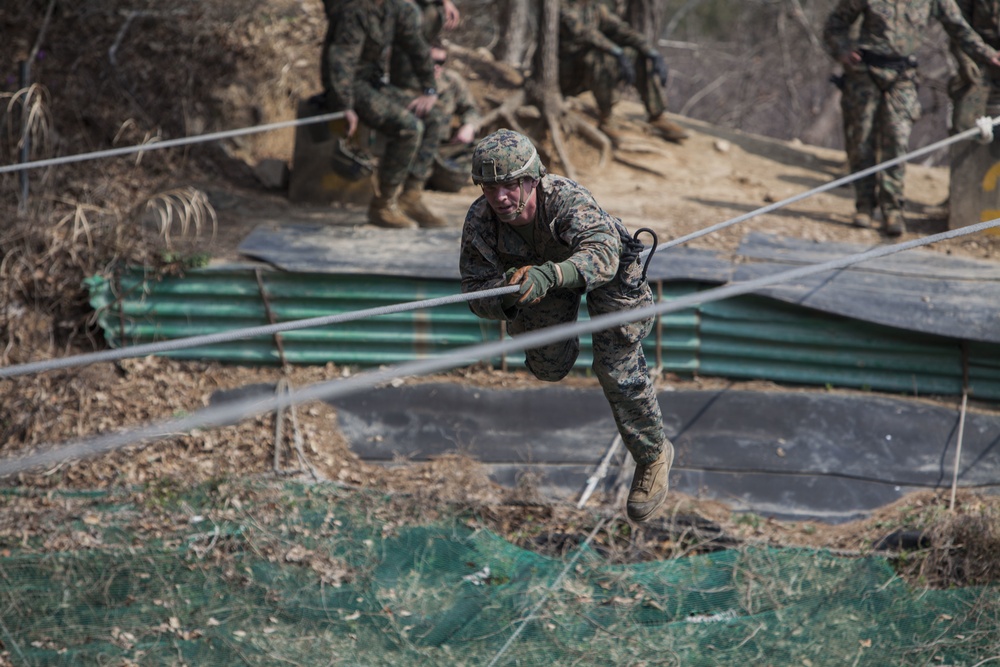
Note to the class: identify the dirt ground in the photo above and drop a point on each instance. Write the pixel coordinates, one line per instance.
(674, 189)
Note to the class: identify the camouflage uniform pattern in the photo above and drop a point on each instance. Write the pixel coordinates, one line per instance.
(359, 39)
(458, 107)
(569, 224)
(431, 19)
(589, 32)
(880, 103)
(972, 86)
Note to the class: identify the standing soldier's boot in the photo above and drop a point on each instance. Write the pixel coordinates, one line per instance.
(412, 203)
(668, 129)
(384, 210)
(605, 126)
(649, 485)
(894, 224)
(864, 215)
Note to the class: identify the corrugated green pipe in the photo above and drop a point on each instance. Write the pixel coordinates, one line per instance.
(746, 337)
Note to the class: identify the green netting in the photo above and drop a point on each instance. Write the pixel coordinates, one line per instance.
(318, 576)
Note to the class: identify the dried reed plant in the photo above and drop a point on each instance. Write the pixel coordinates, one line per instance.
(27, 119)
(184, 210)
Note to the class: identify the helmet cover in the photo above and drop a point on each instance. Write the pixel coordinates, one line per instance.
(505, 156)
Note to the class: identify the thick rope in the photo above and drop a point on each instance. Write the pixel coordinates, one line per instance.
(975, 132)
(239, 410)
(169, 143)
(238, 334)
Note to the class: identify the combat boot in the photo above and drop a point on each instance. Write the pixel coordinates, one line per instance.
(649, 485)
(894, 224)
(863, 218)
(412, 203)
(610, 132)
(668, 129)
(384, 210)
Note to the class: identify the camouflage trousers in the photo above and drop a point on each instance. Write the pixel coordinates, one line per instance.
(410, 142)
(599, 73)
(879, 108)
(619, 362)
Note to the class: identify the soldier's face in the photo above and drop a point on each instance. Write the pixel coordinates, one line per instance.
(506, 199)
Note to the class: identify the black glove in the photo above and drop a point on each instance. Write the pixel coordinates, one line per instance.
(659, 66)
(627, 68)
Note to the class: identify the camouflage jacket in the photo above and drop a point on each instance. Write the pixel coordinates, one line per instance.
(895, 28)
(454, 98)
(359, 39)
(569, 224)
(984, 17)
(587, 24)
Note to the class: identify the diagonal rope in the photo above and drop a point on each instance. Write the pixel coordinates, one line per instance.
(239, 334)
(979, 131)
(238, 410)
(170, 143)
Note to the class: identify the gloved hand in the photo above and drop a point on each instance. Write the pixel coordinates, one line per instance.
(626, 67)
(659, 66)
(535, 282)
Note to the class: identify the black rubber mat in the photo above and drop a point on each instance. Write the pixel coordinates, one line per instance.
(829, 456)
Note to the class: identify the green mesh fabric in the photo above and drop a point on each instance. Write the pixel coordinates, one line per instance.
(326, 581)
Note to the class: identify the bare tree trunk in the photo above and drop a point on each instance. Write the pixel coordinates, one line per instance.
(543, 86)
(515, 32)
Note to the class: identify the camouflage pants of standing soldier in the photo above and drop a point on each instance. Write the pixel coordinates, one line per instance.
(411, 142)
(619, 361)
(879, 107)
(599, 73)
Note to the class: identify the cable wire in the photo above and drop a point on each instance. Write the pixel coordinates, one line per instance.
(239, 334)
(961, 136)
(241, 409)
(170, 143)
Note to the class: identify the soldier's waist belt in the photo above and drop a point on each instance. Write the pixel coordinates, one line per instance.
(899, 63)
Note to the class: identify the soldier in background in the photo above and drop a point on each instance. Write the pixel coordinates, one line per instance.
(879, 99)
(597, 49)
(453, 162)
(433, 17)
(547, 234)
(972, 86)
(359, 39)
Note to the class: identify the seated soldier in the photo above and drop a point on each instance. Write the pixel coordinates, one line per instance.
(453, 162)
(597, 49)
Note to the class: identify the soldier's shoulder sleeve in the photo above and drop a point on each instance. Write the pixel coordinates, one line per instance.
(967, 39)
(410, 38)
(342, 51)
(588, 230)
(620, 32)
(479, 262)
(837, 28)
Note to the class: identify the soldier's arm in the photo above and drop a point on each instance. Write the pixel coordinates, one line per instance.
(588, 230)
(621, 33)
(410, 38)
(963, 35)
(343, 54)
(573, 28)
(837, 29)
(479, 264)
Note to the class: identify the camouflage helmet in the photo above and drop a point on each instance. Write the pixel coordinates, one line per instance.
(505, 156)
